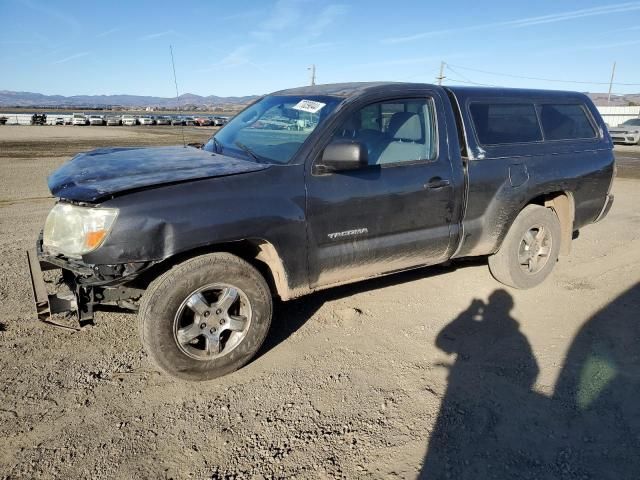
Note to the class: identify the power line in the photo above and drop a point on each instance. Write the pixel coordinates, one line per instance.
(557, 80)
(468, 80)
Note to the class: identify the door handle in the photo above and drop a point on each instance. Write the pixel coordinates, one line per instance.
(437, 182)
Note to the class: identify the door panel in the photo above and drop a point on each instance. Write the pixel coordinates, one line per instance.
(390, 216)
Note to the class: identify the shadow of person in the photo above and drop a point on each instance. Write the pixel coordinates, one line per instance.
(599, 388)
(489, 424)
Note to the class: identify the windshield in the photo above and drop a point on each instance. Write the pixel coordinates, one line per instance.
(273, 129)
(633, 121)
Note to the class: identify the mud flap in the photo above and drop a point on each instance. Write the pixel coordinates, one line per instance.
(46, 304)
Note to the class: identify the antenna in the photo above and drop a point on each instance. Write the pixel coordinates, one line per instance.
(175, 80)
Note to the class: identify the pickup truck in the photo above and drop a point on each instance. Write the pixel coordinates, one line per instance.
(313, 187)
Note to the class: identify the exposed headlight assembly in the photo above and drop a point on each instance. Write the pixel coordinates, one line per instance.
(74, 231)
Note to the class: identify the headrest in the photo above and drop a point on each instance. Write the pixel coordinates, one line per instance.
(405, 126)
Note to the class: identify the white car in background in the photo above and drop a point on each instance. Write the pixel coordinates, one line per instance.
(96, 120)
(627, 132)
(113, 120)
(129, 120)
(79, 119)
(147, 120)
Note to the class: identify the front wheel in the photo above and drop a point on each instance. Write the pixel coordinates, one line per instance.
(206, 317)
(530, 249)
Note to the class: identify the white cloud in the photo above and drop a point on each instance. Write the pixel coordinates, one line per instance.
(151, 36)
(524, 22)
(285, 14)
(72, 57)
(52, 13)
(400, 61)
(325, 19)
(108, 32)
(314, 28)
(237, 56)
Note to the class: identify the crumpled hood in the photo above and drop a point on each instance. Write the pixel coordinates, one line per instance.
(90, 176)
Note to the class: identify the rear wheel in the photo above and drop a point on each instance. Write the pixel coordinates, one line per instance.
(530, 249)
(206, 317)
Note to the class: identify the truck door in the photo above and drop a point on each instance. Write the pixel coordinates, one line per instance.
(393, 214)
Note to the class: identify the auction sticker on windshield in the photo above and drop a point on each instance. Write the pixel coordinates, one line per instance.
(310, 106)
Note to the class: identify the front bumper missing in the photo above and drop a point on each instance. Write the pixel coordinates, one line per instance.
(107, 287)
(45, 303)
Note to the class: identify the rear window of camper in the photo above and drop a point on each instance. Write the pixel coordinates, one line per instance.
(506, 123)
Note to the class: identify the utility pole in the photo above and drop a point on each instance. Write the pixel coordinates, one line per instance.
(613, 72)
(312, 68)
(441, 76)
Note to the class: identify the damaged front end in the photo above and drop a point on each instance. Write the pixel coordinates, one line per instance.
(89, 286)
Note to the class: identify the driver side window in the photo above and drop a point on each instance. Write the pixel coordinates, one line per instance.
(393, 131)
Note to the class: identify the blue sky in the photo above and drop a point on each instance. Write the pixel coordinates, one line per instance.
(248, 47)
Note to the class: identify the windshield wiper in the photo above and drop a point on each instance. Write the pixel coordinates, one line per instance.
(249, 152)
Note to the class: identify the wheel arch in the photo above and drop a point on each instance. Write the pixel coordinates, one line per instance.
(258, 252)
(563, 205)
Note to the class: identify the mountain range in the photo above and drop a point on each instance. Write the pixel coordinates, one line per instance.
(30, 99)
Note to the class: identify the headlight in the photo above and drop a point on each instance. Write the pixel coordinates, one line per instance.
(74, 231)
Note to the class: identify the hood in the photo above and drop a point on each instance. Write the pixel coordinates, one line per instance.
(630, 128)
(90, 176)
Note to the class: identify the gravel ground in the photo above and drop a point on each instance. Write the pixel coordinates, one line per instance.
(438, 373)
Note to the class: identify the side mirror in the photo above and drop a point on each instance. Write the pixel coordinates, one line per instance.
(342, 155)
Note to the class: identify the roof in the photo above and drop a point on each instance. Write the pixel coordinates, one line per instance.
(334, 89)
(356, 88)
(475, 92)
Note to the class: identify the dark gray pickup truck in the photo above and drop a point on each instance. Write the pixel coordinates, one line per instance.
(314, 187)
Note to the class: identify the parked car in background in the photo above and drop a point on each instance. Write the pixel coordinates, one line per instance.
(190, 121)
(163, 120)
(177, 121)
(113, 120)
(96, 120)
(627, 132)
(59, 121)
(219, 121)
(203, 121)
(79, 119)
(129, 120)
(147, 120)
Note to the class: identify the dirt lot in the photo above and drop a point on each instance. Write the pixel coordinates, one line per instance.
(440, 373)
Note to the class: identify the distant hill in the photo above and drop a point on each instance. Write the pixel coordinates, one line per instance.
(600, 99)
(29, 99)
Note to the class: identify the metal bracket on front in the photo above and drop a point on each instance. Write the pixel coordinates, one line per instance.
(46, 304)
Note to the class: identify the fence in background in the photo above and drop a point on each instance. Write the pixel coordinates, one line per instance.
(25, 118)
(614, 116)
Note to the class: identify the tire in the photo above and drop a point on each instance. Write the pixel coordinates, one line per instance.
(509, 265)
(168, 317)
